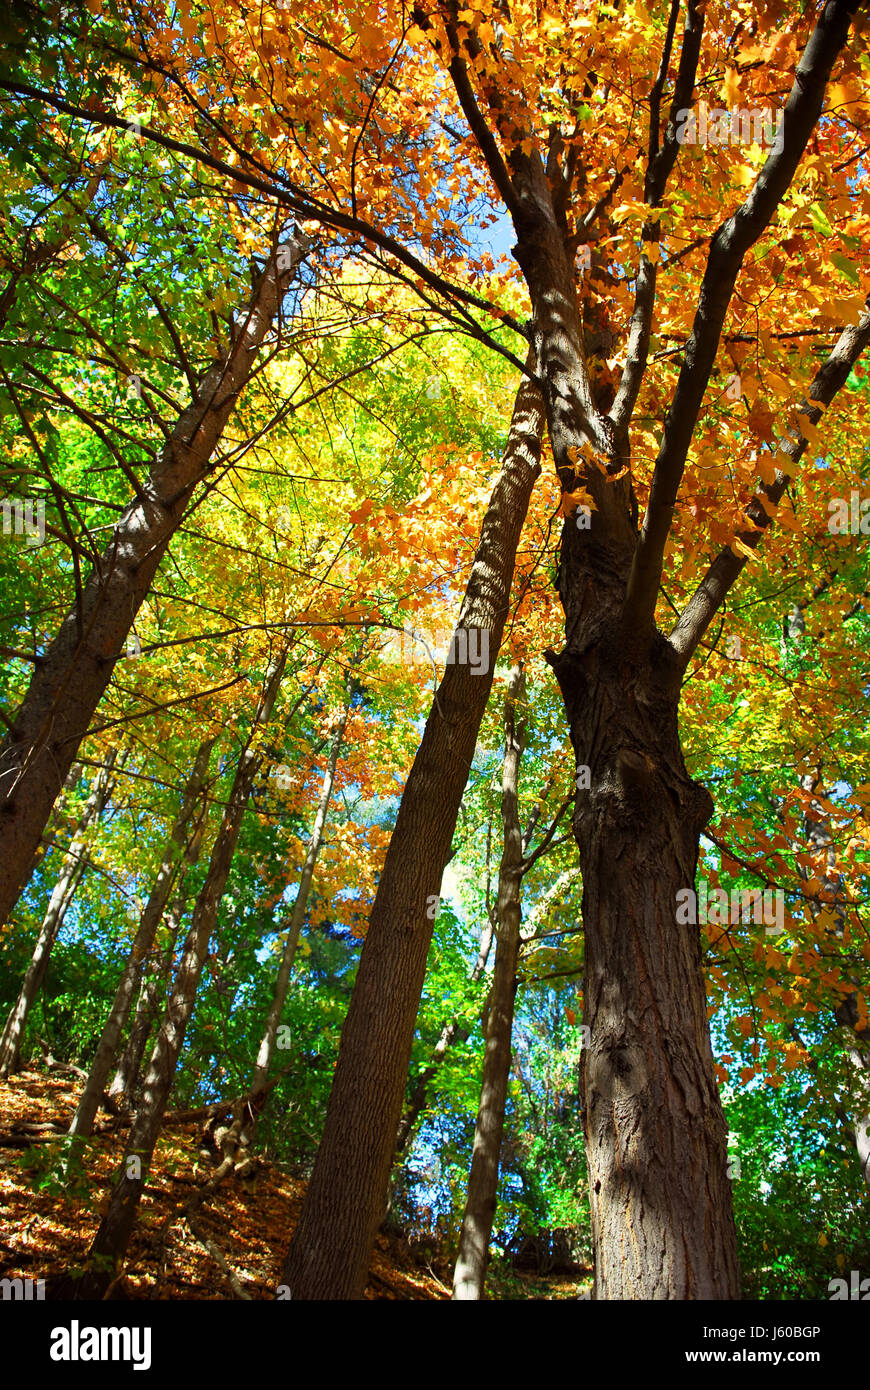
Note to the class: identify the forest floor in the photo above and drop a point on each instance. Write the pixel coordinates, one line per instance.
(47, 1222)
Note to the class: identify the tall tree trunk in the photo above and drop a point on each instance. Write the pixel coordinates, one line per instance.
(347, 1194)
(112, 1238)
(660, 1195)
(153, 993)
(71, 870)
(72, 676)
(480, 1202)
(454, 1031)
(83, 1120)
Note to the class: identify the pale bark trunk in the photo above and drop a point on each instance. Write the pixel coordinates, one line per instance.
(482, 1196)
(72, 676)
(347, 1194)
(113, 1236)
(71, 871)
(83, 1120)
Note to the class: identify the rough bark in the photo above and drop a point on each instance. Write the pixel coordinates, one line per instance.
(482, 1195)
(661, 1205)
(152, 915)
(655, 1132)
(71, 871)
(71, 677)
(346, 1196)
(112, 1238)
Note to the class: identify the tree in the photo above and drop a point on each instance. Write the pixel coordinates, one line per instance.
(672, 291)
(73, 674)
(180, 835)
(480, 1202)
(71, 870)
(110, 1243)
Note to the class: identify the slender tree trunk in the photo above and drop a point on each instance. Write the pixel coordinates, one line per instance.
(241, 1132)
(72, 676)
(451, 1033)
(347, 1194)
(266, 1050)
(112, 1238)
(83, 1120)
(482, 1197)
(151, 996)
(71, 870)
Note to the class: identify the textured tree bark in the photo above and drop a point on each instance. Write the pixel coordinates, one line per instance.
(656, 1138)
(346, 1196)
(661, 1204)
(112, 1238)
(89, 1101)
(482, 1196)
(71, 677)
(72, 868)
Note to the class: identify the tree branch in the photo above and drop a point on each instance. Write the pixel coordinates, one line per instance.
(710, 593)
(728, 248)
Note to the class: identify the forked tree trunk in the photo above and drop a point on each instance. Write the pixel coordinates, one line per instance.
(656, 1138)
(482, 1197)
(112, 1238)
(347, 1194)
(72, 676)
(71, 871)
(89, 1101)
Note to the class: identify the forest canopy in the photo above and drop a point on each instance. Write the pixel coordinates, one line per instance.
(434, 606)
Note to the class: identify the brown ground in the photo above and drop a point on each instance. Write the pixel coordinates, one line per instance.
(46, 1232)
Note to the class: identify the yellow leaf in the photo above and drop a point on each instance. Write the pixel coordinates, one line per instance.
(731, 87)
(740, 548)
